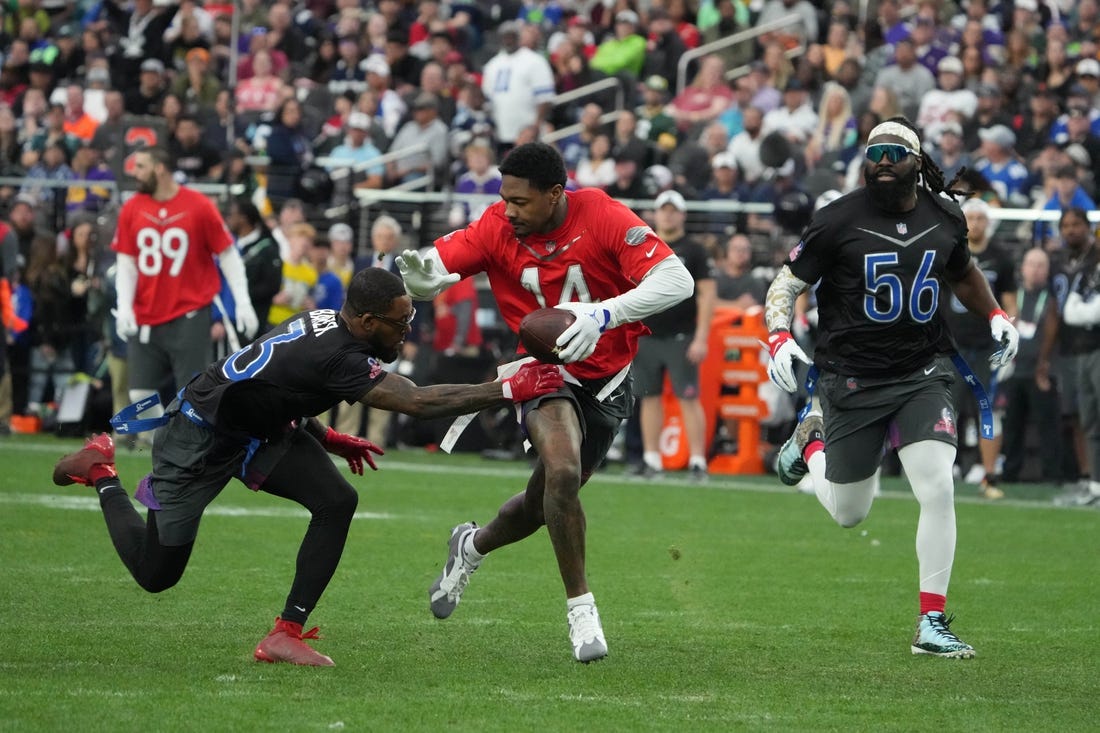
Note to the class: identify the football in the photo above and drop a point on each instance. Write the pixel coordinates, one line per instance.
(539, 331)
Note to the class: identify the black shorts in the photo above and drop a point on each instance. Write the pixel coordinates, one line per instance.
(192, 464)
(599, 420)
(661, 355)
(865, 414)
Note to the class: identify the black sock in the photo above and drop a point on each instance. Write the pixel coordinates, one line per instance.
(295, 614)
(108, 486)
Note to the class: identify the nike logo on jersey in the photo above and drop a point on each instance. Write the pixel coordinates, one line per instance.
(651, 251)
(929, 370)
(900, 242)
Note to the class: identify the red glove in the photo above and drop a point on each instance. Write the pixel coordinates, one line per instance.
(531, 381)
(354, 450)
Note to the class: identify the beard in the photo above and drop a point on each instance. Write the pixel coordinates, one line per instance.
(147, 185)
(387, 353)
(891, 195)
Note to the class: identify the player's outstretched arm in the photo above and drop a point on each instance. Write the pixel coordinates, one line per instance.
(424, 274)
(399, 394)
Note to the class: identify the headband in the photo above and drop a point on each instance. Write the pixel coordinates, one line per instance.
(897, 130)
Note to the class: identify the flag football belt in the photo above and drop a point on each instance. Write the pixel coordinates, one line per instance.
(127, 422)
(985, 400)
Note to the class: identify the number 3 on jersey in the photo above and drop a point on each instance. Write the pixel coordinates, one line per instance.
(154, 246)
(887, 307)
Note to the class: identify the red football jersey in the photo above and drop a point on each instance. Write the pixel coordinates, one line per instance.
(601, 250)
(174, 244)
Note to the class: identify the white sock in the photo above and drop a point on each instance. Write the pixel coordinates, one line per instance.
(1094, 488)
(586, 600)
(469, 552)
(699, 461)
(653, 460)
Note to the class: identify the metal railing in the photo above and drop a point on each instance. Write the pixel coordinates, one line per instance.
(590, 89)
(739, 37)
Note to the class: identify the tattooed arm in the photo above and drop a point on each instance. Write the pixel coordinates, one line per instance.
(779, 304)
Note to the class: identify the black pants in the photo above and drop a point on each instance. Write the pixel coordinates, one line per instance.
(305, 474)
(1026, 404)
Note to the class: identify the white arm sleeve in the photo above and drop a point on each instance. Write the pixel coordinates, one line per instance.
(126, 275)
(233, 268)
(1081, 312)
(665, 285)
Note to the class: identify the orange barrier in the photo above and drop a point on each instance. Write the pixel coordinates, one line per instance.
(729, 380)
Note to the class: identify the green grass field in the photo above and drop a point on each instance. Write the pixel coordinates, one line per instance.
(732, 606)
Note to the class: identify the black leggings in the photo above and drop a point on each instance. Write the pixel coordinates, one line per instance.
(305, 475)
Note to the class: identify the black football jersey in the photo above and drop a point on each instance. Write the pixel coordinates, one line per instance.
(301, 368)
(971, 330)
(1080, 274)
(881, 276)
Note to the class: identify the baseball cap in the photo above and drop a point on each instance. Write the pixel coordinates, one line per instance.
(1030, 5)
(723, 160)
(358, 121)
(98, 74)
(671, 198)
(68, 30)
(197, 53)
(988, 90)
(657, 83)
(998, 135)
(153, 65)
(950, 64)
(1088, 67)
(626, 16)
(578, 19)
(376, 64)
(949, 127)
(1078, 154)
(794, 84)
(24, 198)
(341, 232)
(425, 100)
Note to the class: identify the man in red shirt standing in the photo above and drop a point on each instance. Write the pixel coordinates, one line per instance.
(586, 253)
(167, 238)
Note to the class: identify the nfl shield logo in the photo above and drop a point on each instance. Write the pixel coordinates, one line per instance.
(902, 229)
(551, 246)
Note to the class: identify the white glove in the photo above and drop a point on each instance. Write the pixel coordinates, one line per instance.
(1006, 336)
(424, 277)
(784, 351)
(577, 342)
(248, 322)
(125, 323)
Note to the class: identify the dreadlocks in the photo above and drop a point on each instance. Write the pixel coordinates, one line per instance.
(932, 176)
(931, 173)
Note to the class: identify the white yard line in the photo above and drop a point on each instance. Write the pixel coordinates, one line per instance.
(717, 482)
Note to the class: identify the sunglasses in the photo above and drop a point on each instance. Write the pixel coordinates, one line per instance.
(400, 325)
(890, 151)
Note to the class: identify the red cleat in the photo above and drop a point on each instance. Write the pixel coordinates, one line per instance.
(284, 644)
(77, 468)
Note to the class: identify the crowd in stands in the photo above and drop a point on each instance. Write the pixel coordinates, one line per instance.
(429, 94)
